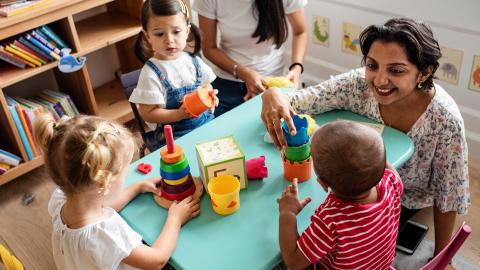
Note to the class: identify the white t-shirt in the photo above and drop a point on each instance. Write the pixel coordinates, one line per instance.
(179, 72)
(102, 245)
(236, 23)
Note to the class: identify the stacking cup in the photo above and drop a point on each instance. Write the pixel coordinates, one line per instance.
(224, 193)
(198, 101)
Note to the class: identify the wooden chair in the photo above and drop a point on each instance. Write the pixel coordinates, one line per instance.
(443, 258)
(129, 82)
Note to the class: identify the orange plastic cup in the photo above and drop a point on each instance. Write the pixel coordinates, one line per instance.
(302, 170)
(198, 101)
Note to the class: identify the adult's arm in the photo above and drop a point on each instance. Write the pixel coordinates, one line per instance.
(299, 43)
(252, 79)
(450, 179)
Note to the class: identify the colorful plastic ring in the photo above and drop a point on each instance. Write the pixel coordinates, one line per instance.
(174, 157)
(176, 182)
(177, 188)
(178, 196)
(174, 167)
(175, 175)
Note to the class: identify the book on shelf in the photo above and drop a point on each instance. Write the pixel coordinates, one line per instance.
(65, 101)
(23, 56)
(47, 107)
(21, 7)
(42, 47)
(25, 119)
(11, 103)
(31, 56)
(35, 48)
(4, 167)
(24, 48)
(4, 3)
(43, 39)
(11, 59)
(9, 158)
(52, 36)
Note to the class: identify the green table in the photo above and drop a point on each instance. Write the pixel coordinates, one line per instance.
(247, 239)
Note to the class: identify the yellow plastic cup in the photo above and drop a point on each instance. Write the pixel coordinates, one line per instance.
(224, 193)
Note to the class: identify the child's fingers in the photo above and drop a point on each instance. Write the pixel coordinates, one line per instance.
(305, 201)
(196, 213)
(156, 180)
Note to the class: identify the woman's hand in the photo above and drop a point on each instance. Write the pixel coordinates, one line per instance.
(276, 106)
(254, 82)
(184, 210)
(294, 75)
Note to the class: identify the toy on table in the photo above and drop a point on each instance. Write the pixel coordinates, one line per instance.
(281, 82)
(224, 193)
(221, 156)
(256, 168)
(312, 126)
(297, 162)
(177, 183)
(198, 101)
(144, 168)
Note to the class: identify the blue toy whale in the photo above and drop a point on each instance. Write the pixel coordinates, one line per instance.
(68, 63)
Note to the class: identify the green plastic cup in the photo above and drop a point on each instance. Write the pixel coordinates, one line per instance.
(298, 153)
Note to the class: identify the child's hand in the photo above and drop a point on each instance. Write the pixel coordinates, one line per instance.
(183, 114)
(184, 210)
(150, 185)
(289, 201)
(213, 93)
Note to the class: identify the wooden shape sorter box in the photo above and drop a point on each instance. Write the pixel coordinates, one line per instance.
(221, 156)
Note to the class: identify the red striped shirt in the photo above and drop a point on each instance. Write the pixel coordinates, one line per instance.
(346, 235)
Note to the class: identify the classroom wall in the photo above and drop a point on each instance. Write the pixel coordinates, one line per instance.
(456, 24)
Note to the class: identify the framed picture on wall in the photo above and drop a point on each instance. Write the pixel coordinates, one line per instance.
(321, 31)
(450, 64)
(475, 74)
(350, 41)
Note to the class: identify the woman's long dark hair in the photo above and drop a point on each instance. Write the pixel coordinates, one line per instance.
(272, 23)
(143, 50)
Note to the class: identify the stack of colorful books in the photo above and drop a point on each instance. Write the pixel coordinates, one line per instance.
(8, 160)
(33, 48)
(25, 110)
(13, 7)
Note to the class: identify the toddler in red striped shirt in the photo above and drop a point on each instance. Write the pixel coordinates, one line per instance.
(356, 226)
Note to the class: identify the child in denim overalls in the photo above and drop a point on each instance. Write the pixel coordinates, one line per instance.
(171, 73)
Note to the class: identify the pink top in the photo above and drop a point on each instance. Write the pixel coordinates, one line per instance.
(346, 235)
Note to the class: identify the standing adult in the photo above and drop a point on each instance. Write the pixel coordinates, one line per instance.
(251, 38)
(396, 88)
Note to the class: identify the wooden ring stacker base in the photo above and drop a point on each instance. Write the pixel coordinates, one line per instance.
(174, 157)
(166, 203)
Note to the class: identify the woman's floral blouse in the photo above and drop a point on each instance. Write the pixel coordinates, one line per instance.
(437, 171)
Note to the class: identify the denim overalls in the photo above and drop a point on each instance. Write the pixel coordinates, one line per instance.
(174, 100)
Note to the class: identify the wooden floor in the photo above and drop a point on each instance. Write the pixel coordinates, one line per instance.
(25, 229)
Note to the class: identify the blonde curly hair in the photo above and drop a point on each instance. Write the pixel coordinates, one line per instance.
(82, 150)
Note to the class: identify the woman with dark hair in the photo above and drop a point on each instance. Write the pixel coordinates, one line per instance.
(395, 87)
(252, 33)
